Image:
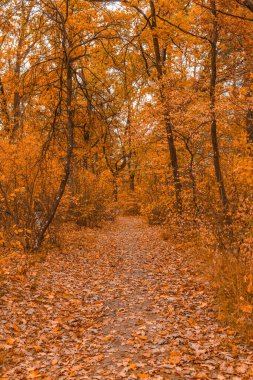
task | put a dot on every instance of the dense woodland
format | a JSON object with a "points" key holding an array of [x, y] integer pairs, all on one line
{"points": [[135, 107]]}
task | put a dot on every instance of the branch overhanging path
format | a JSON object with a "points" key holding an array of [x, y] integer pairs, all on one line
{"points": [[117, 303]]}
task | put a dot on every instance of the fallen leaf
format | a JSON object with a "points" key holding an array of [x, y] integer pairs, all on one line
{"points": [[10, 341], [175, 357], [143, 375], [246, 308], [107, 338]]}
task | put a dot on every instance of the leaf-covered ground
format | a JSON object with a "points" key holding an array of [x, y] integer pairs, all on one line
{"points": [[115, 303]]}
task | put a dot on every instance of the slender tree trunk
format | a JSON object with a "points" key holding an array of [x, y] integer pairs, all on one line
{"points": [[130, 162], [115, 188], [193, 184], [249, 113], [72, 186], [4, 108], [70, 145], [248, 84], [249, 124], [169, 127], [17, 99], [215, 142], [132, 182], [174, 164], [157, 50], [192, 175]]}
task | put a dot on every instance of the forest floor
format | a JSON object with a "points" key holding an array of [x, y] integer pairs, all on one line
{"points": [[115, 303]]}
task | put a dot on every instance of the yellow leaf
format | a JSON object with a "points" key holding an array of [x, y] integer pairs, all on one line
{"points": [[20, 277], [201, 375], [220, 317], [142, 337], [247, 308], [34, 374], [132, 366], [250, 284], [143, 375], [77, 368], [230, 332], [66, 296], [37, 348], [106, 338], [10, 341], [16, 328], [175, 357], [139, 322]]}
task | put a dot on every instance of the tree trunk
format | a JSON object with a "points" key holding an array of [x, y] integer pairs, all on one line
{"points": [[193, 185], [174, 164], [215, 143], [115, 188], [249, 124], [72, 186], [169, 127], [17, 100], [70, 145], [132, 182], [158, 57], [4, 108]]}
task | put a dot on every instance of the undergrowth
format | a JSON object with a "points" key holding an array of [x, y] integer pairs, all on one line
{"points": [[223, 256]]}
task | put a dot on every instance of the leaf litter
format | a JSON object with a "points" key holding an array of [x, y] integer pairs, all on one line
{"points": [[116, 303]]}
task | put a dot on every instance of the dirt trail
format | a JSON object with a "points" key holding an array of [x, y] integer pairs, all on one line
{"points": [[116, 303]]}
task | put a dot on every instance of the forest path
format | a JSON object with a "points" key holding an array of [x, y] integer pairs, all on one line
{"points": [[116, 303]]}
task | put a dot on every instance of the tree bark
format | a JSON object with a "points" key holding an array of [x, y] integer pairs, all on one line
{"points": [[247, 3], [70, 145], [4, 108], [132, 182], [17, 99], [174, 164], [194, 187], [169, 127], [214, 136], [115, 188], [249, 124]]}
